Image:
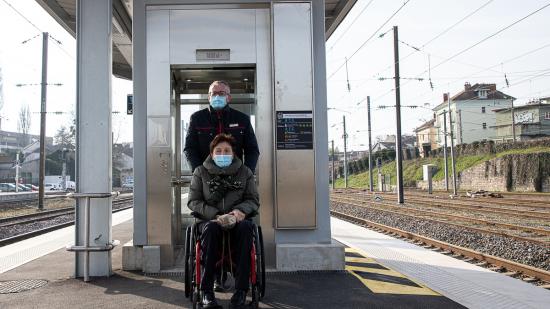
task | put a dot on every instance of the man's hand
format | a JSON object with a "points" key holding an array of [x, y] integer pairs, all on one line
{"points": [[238, 214]]}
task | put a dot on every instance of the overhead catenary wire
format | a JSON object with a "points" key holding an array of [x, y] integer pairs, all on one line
{"points": [[483, 40], [369, 38], [23, 16], [461, 78], [440, 34], [350, 25]]}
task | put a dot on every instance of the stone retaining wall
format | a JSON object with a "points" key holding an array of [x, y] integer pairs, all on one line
{"points": [[520, 173]]}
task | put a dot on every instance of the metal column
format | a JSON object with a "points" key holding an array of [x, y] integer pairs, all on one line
{"points": [[93, 117]]}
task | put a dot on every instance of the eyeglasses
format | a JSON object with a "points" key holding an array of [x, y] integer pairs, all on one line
{"points": [[220, 93]]}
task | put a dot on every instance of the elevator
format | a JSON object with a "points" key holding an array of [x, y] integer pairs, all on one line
{"points": [[269, 54]]}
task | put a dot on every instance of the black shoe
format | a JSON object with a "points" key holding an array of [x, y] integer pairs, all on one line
{"points": [[209, 300], [218, 287], [238, 299]]}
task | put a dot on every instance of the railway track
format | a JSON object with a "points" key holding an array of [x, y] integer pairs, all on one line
{"points": [[537, 235], [478, 205], [513, 203], [507, 267], [49, 215]]}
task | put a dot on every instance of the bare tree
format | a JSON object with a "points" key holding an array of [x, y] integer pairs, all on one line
{"points": [[24, 122], [64, 137]]}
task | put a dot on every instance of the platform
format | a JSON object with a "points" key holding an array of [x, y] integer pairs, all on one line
{"points": [[381, 272], [465, 283]]}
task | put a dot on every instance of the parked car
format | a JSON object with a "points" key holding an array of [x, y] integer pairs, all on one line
{"points": [[7, 187], [71, 186], [51, 187], [23, 188], [33, 187], [128, 185]]}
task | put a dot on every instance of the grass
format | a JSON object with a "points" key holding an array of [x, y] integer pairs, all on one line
{"points": [[412, 169]]}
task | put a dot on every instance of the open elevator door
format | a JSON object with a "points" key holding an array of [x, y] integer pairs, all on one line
{"points": [[190, 94]]}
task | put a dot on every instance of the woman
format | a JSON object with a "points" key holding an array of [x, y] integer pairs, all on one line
{"points": [[223, 194]]}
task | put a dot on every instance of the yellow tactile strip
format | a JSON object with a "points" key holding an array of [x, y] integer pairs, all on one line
{"points": [[380, 279]]}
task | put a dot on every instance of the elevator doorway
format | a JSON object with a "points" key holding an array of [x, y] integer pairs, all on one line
{"points": [[190, 94]]}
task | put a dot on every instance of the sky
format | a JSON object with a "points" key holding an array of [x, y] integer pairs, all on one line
{"points": [[420, 21], [22, 64], [440, 29]]}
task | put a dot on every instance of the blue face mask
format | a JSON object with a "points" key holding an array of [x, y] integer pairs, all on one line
{"points": [[218, 102], [222, 160]]}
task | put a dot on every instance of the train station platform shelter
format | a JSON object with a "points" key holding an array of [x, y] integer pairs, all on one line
{"points": [[272, 53]]}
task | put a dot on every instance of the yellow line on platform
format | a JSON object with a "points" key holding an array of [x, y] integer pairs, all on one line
{"points": [[383, 287]]}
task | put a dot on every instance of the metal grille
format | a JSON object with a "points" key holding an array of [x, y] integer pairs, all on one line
{"points": [[166, 274], [17, 286]]}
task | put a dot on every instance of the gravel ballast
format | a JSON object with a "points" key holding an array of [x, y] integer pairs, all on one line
{"points": [[511, 249]]}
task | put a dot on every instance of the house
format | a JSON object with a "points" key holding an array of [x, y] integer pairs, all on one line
{"points": [[123, 163], [530, 121], [472, 112], [17, 141], [388, 142], [426, 137]]}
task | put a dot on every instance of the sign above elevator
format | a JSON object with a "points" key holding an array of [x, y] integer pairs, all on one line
{"points": [[294, 130], [213, 54]]}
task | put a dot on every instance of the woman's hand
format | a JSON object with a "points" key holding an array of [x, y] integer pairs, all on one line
{"points": [[238, 214]]}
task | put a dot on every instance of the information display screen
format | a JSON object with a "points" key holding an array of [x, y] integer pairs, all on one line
{"points": [[294, 130]]}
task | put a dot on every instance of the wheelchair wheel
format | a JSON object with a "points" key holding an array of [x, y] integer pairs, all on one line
{"points": [[188, 271], [262, 263], [258, 289]]}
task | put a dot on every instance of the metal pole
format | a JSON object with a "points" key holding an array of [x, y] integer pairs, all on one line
{"points": [[452, 144], [460, 126], [398, 151], [345, 154], [513, 122], [87, 240], [17, 172], [332, 157], [371, 185], [445, 150], [42, 168], [64, 170]]}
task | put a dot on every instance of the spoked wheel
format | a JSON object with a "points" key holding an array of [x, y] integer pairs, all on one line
{"points": [[188, 271], [261, 273]]}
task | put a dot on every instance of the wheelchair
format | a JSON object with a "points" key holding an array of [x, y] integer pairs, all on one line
{"points": [[193, 266]]}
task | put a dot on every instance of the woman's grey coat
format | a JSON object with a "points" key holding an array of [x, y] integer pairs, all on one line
{"points": [[242, 196]]}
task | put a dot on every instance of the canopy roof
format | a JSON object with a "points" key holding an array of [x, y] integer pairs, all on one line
{"points": [[64, 12]]}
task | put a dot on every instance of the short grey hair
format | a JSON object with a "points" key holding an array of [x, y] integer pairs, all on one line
{"points": [[226, 84]]}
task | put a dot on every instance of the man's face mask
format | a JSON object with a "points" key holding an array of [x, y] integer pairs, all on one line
{"points": [[218, 101], [222, 160]]}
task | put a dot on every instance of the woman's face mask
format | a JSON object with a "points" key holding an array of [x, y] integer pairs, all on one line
{"points": [[222, 160], [222, 155]]}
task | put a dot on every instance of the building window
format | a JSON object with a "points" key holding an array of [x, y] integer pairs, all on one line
{"points": [[484, 125], [483, 109], [482, 94], [547, 115]]}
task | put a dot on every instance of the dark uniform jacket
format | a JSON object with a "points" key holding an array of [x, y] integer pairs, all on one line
{"points": [[207, 123], [215, 191]]}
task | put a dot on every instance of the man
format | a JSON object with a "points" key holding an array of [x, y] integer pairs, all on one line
{"points": [[220, 118]]}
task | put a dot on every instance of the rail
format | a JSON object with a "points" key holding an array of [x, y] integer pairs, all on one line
{"points": [[87, 248]]}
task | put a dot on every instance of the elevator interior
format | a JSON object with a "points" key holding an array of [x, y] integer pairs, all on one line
{"points": [[190, 88]]}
